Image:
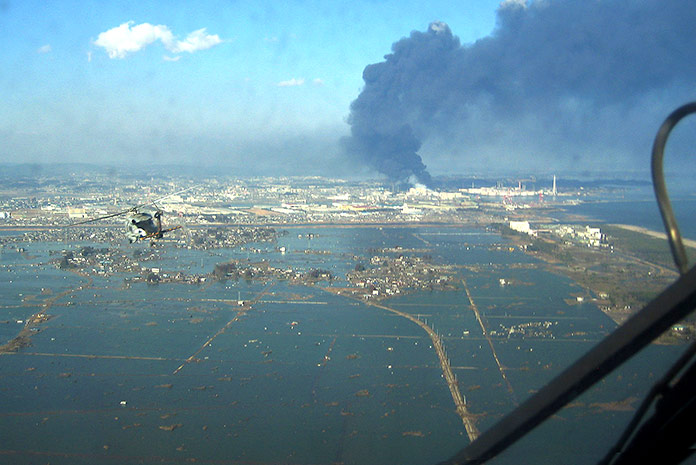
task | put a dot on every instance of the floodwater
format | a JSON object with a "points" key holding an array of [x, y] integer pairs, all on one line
{"points": [[146, 374]]}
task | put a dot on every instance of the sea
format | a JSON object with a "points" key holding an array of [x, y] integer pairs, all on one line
{"points": [[174, 373], [638, 207]]}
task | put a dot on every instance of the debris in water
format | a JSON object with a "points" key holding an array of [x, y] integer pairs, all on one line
{"points": [[171, 427]]}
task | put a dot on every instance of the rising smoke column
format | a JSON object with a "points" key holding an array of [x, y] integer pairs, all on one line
{"points": [[395, 97], [565, 83], [393, 152]]}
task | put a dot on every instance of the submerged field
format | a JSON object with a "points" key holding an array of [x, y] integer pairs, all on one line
{"points": [[181, 373]]}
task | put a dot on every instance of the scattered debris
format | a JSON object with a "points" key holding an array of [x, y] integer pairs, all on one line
{"points": [[171, 427]]}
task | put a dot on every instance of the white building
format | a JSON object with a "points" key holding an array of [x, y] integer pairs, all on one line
{"points": [[523, 227]]}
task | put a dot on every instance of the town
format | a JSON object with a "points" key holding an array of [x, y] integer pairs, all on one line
{"points": [[614, 263], [67, 198]]}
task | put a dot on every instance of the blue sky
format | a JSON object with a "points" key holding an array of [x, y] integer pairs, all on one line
{"points": [[266, 87], [68, 100]]}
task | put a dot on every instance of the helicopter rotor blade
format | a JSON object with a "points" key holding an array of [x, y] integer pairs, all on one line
{"points": [[92, 220], [167, 196], [131, 209]]}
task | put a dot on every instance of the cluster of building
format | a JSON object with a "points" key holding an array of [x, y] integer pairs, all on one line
{"points": [[533, 329], [239, 269], [587, 235], [60, 201], [387, 276], [104, 261], [217, 237]]}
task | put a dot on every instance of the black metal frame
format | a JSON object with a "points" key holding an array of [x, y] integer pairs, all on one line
{"points": [[662, 438], [673, 304]]}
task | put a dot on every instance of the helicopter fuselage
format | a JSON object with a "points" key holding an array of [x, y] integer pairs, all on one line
{"points": [[143, 225], [140, 225]]}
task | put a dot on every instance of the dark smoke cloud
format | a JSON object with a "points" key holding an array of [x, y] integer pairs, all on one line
{"points": [[391, 152], [396, 95], [559, 83]]}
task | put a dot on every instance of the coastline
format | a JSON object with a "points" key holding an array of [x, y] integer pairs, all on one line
{"points": [[655, 234]]}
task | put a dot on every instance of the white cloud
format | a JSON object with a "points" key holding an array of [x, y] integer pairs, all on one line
{"points": [[128, 38], [168, 58], [317, 82], [122, 40], [45, 49], [197, 40], [292, 82], [439, 27]]}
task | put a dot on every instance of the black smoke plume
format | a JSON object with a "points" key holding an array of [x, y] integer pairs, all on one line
{"points": [[392, 153], [559, 83], [395, 97]]}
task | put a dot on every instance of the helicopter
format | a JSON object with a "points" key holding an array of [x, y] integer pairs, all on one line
{"points": [[141, 225]]}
